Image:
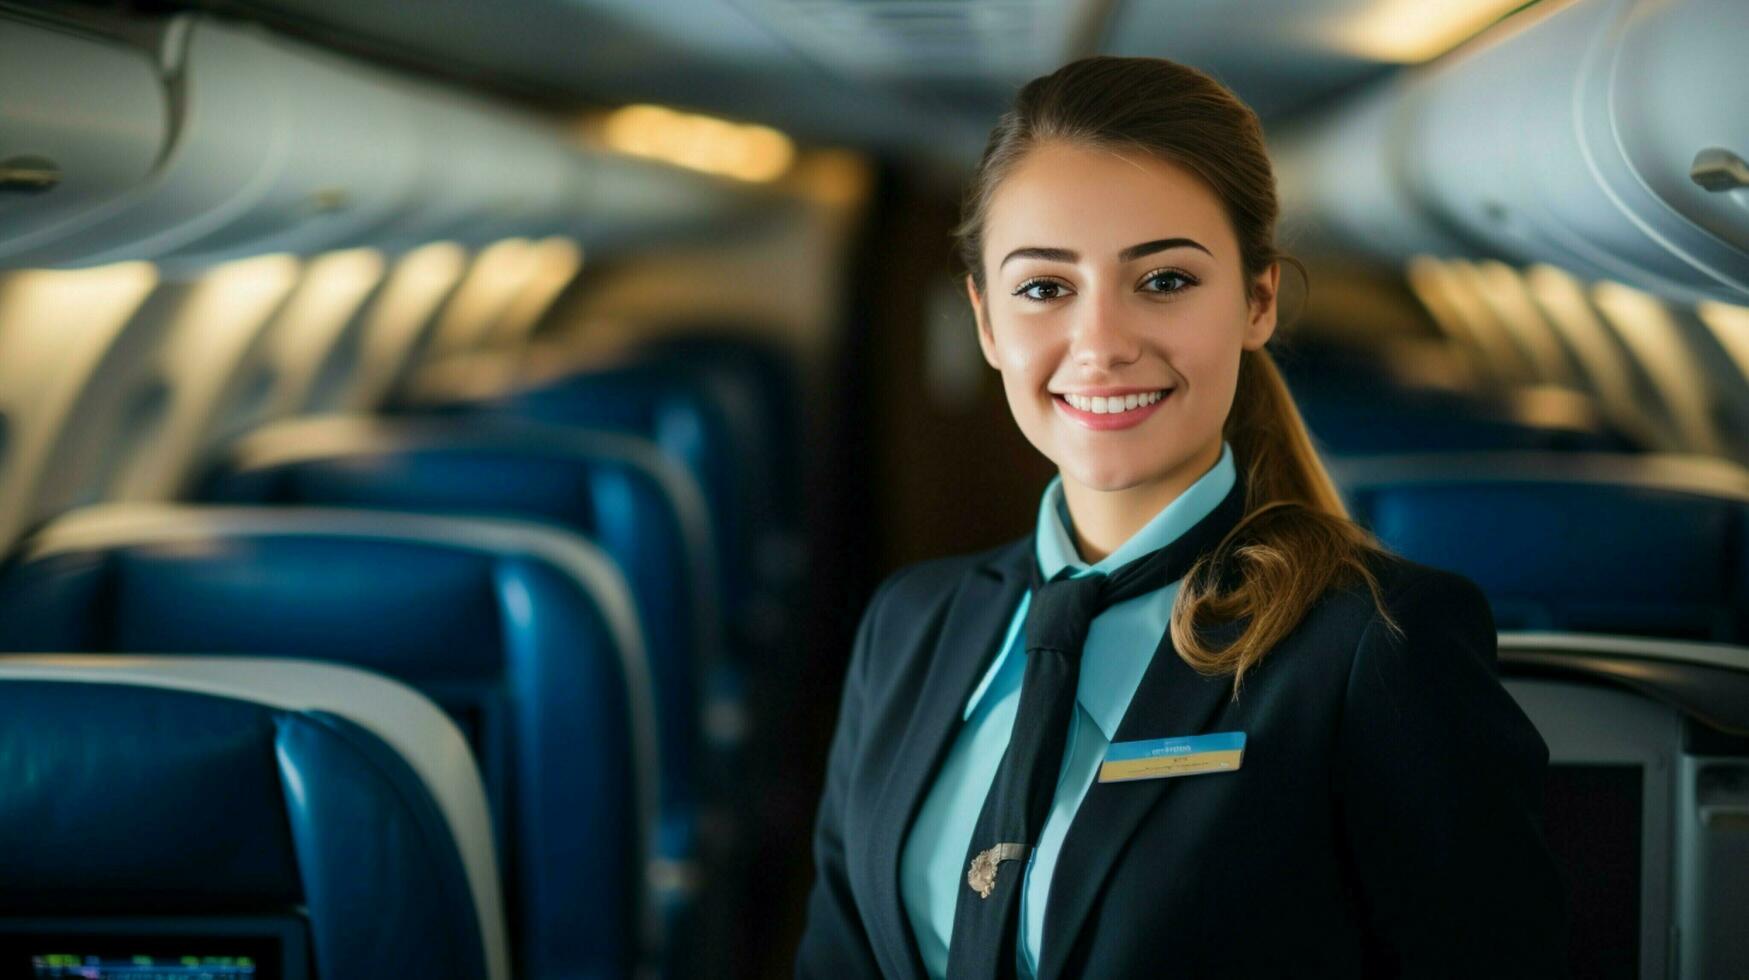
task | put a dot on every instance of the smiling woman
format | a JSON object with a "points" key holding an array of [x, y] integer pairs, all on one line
{"points": [[1352, 791], [1098, 318]]}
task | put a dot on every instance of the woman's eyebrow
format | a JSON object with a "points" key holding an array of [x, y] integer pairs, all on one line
{"points": [[1160, 245], [1036, 252], [1127, 255]]}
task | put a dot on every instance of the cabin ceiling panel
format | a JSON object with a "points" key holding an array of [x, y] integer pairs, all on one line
{"points": [[924, 77]]}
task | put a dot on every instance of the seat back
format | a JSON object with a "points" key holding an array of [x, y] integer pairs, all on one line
{"points": [[319, 818], [687, 417], [766, 376], [618, 491], [1639, 545], [1648, 768], [525, 635], [756, 381]]}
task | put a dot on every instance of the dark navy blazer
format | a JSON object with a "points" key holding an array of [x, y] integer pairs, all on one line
{"points": [[1386, 819]]}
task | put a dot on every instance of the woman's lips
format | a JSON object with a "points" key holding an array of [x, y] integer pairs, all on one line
{"points": [[1106, 421]]}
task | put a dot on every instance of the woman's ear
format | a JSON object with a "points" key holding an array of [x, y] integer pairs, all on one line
{"points": [[1265, 289], [986, 342]]}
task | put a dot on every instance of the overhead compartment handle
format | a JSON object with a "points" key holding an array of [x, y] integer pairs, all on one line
{"points": [[28, 175], [1718, 169]]}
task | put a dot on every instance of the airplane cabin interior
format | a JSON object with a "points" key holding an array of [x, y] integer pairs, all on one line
{"points": [[446, 448]]}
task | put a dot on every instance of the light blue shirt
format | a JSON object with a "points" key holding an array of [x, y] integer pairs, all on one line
{"points": [[1120, 646]]}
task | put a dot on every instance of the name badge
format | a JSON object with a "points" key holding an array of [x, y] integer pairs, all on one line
{"points": [[1186, 755]]}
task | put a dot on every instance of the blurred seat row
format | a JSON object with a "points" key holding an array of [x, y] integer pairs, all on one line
{"points": [[571, 572]]}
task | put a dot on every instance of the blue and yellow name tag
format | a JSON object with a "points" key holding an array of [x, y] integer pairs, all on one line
{"points": [[1186, 755]]}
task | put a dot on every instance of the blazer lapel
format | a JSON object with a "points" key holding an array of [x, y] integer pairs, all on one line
{"points": [[1172, 699], [964, 648]]}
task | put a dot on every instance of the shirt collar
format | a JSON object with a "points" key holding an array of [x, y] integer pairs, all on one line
{"points": [[1108, 682]]}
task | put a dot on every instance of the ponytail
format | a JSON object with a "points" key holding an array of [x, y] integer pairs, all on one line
{"points": [[1294, 542]]}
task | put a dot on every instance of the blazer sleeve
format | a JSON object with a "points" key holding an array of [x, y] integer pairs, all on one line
{"points": [[1441, 783], [834, 943]]}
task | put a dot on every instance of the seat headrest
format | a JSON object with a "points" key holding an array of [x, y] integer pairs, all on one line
{"points": [[516, 468], [190, 781], [1595, 544]]}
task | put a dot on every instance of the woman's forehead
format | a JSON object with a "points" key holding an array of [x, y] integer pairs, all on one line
{"points": [[1097, 202]]}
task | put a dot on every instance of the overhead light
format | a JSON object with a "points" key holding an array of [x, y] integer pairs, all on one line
{"points": [[1413, 31], [333, 286], [715, 146], [493, 279], [38, 305], [411, 295], [227, 305], [555, 263]]}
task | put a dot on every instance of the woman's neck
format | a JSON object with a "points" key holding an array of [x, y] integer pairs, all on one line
{"points": [[1102, 520]]}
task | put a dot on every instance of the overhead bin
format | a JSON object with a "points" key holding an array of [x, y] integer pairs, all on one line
{"points": [[82, 120], [324, 152], [228, 141], [274, 148], [1598, 136], [482, 172]]}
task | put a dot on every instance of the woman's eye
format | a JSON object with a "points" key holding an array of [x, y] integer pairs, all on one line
{"points": [[1168, 281], [1041, 290]]}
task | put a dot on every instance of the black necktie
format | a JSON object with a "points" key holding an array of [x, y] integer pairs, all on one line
{"points": [[986, 915]]}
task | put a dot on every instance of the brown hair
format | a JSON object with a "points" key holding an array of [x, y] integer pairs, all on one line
{"points": [[1296, 539]]}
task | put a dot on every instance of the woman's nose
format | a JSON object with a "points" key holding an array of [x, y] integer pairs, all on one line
{"points": [[1102, 338]]}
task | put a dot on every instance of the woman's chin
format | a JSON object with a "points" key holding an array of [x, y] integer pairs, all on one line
{"points": [[1109, 480], [1116, 476]]}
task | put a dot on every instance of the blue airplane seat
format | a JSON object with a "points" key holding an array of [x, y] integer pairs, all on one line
{"points": [[1635, 545], [618, 491], [690, 421], [756, 380], [525, 635], [695, 419], [317, 821], [767, 374]]}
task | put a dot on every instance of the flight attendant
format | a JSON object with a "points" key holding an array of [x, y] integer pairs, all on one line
{"points": [[1198, 724]]}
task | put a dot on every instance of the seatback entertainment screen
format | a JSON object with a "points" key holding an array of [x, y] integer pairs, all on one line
{"points": [[153, 949]]}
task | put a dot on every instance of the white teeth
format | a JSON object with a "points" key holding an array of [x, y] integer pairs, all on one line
{"points": [[1102, 405]]}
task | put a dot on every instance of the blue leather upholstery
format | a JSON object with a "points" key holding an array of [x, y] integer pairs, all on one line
{"points": [[1579, 548], [726, 411], [138, 789], [617, 491], [766, 377], [755, 382], [526, 636], [692, 419]]}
